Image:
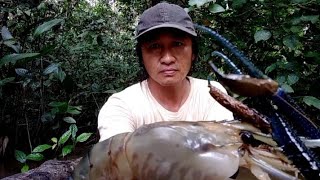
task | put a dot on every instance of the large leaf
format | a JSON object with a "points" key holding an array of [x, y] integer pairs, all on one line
{"points": [[74, 129], [262, 35], [199, 3], [292, 79], [67, 150], [46, 26], [41, 148], [83, 137], [64, 138], [35, 157], [216, 8], [312, 101], [13, 58], [20, 156], [291, 42]]}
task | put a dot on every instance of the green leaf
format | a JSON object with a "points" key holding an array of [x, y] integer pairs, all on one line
{"points": [[312, 101], [262, 35], [270, 68], [13, 58], [25, 168], [69, 120], [83, 137], [64, 138], [67, 150], [35, 157], [54, 139], [292, 79], [20, 156], [6, 80], [291, 42], [61, 107], [199, 3], [216, 8], [61, 75], [13, 44], [238, 3], [74, 110], [51, 68], [74, 129], [313, 19], [46, 26], [287, 88], [41, 148], [299, 1]]}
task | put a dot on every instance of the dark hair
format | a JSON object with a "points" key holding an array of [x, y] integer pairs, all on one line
{"points": [[147, 37]]}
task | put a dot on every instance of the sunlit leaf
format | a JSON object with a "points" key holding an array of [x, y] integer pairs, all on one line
{"points": [[216, 8], [262, 35], [25, 168], [199, 3], [312, 101], [83, 137], [20, 156], [46, 26], [13, 58], [41, 148], [35, 157], [67, 150], [54, 139], [64, 138], [74, 129]]}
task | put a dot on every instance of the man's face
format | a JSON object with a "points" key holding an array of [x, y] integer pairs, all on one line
{"points": [[167, 57]]}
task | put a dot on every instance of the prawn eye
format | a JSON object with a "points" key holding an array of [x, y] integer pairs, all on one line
{"points": [[247, 137]]}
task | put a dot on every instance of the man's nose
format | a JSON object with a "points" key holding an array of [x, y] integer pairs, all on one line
{"points": [[167, 57]]}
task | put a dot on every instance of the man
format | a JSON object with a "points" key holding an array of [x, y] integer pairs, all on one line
{"points": [[166, 48]]}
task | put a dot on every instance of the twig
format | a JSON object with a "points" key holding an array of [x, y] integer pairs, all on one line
{"points": [[29, 139]]}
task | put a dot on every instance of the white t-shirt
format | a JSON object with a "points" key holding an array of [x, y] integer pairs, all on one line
{"points": [[135, 106]]}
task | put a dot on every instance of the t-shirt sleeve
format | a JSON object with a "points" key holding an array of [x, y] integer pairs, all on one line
{"points": [[114, 118], [218, 112]]}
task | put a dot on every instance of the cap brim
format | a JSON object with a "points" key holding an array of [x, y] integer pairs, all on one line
{"points": [[193, 33]]}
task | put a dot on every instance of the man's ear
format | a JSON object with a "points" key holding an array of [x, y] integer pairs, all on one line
{"points": [[193, 57]]}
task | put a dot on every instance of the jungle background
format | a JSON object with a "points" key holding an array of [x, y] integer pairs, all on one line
{"points": [[60, 60]]}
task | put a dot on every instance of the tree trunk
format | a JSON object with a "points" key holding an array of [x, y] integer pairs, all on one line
{"points": [[49, 170]]}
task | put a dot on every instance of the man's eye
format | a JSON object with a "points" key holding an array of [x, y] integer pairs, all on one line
{"points": [[177, 44], [154, 46]]}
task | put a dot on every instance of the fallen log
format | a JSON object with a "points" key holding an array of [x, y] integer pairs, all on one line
{"points": [[49, 170]]}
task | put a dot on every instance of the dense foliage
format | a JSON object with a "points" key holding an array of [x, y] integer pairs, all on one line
{"points": [[61, 60]]}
